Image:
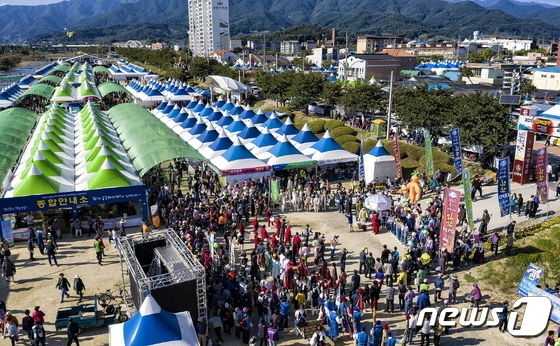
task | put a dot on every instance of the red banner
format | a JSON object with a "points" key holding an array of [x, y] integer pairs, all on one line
{"points": [[523, 151], [541, 176], [449, 219], [397, 155]]}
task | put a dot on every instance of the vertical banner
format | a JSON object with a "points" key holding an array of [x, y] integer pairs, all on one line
{"points": [[7, 231], [503, 186], [541, 176], [274, 191], [428, 155], [361, 168], [397, 155], [456, 150], [449, 219], [523, 155], [467, 190]]}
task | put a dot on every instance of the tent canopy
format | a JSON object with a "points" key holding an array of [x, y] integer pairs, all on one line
{"points": [[148, 140], [110, 88], [19, 122], [39, 90], [226, 84]]}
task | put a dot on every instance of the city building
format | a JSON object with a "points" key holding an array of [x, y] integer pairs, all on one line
{"points": [[445, 50], [224, 56], [487, 74], [509, 44], [322, 55], [547, 78], [368, 44], [208, 26], [376, 66], [158, 45], [291, 47], [235, 43]]}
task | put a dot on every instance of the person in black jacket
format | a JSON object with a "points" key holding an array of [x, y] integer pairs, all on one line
{"points": [[79, 287], [64, 286], [73, 330]]}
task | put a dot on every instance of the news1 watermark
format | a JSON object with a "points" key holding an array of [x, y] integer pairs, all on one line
{"points": [[534, 322]]}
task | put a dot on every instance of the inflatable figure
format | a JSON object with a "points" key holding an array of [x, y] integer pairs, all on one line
{"points": [[413, 190]]}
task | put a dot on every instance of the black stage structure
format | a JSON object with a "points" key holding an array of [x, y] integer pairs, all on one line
{"points": [[161, 265]]}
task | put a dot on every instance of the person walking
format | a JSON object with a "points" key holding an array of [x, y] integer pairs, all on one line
{"points": [[73, 331], [99, 247], [39, 335], [79, 287], [476, 295], [11, 328], [503, 317], [31, 247], [27, 325], [63, 286], [51, 251]]}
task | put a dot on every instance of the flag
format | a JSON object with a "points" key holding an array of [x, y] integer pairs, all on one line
{"points": [[467, 190], [428, 155], [541, 176], [503, 186], [361, 168], [449, 218], [456, 150], [274, 191]]}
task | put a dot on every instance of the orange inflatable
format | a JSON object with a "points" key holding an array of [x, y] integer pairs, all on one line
{"points": [[413, 190]]}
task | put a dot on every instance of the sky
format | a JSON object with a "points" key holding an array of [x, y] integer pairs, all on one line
{"points": [[42, 2]]}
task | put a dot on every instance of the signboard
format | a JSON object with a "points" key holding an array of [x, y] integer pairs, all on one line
{"points": [[503, 186], [510, 100], [544, 126], [397, 155], [74, 200], [528, 287], [428, 153], [456, 150], [523, 150], [449, 219], [541, 161], [274, 191], [467, 190]]}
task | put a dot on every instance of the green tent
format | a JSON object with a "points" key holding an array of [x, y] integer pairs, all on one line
{"points": [[100, 70], [87, 90], [111, 88], [108, 177], [35, 183], [149, 142], [50, 80], [63, 93], [38, 90], [19, 122], [41, 161], [102, 155]]}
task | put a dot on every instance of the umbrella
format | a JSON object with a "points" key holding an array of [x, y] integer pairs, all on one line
{"points": [[378, 202]]}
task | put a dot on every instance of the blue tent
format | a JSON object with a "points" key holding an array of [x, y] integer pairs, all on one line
{"points": [[175, 112], [237, 110], [249, 133], [325, 144], [206, 137], [247, 114], [162, 106], [222, 143], [182, 116], [168, 108], [219, 103], [236, 126], [199, 107], [265, 139], [305, 136], [225, 121], [227, 106], [207, 111], [259, 118], [198, 128], [192, 104], [189, 122], [288, 129], [216, 115], [273, 122], [379, 150], [152, 325]]}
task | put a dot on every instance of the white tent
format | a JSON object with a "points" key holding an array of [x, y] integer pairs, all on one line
{"points": [[152, 325], [378, 164], [327, 151], [238, 163]]}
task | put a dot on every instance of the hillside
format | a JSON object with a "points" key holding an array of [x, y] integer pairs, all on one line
{"points": [[108, 20]]}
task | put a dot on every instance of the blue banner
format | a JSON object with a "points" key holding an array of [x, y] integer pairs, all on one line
{"points": [[456, 150], [528, 287], [75, 200], [503, 186]]}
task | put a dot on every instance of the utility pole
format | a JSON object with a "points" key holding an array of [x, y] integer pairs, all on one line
{"points": [[390, 106]]}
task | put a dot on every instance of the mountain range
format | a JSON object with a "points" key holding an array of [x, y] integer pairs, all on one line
{"points": [[110, 20]]}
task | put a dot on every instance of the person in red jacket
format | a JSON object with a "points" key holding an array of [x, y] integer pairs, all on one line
{"points": [[375, 224]]}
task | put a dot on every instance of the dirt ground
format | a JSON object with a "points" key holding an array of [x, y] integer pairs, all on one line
{"points": [[35, 283]]}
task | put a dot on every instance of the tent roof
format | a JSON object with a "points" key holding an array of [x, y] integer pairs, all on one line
{"points": [[249, 133], [52, 80], [221, 143], [379, 150], [226, 84], [273, 122], [284, 148], [259, 118], [327, 143], [108, 176], [265, 139], [238, 152], [35, 183], [150, 141], [40, 90], [305, 136], [100, 69], [288, 128], [110, 87], [17, 121]]}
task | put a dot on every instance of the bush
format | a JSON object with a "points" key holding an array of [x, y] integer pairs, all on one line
{"points": [[342, 130], [333, 124], [409, 163], [317, 126], [299, 122], [346, 138], [352, 147], [369, 144]]}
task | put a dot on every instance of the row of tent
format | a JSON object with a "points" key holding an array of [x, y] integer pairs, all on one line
{"points": [[72, 152], [237, 140], [158, 91]]}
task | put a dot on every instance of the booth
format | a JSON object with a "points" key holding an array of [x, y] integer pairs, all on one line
{"points": [[378, 165]]}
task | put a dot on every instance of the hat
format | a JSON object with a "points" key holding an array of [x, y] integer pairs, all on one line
{"points": [[425, 281]]}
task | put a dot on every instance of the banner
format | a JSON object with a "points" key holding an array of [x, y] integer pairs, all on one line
{"points": [[503, 186], [274, 191], [528, 287], [361, 168], [541, 176], [449, 219], [7, 231], [397, 154], [428, 153], [456, 150], [523, 150], [467, 190]]}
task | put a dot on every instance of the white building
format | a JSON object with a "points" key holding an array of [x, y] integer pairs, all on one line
{"points": [[512, 45], [208, 26], [292, 47], [352, 68], [547, 78], [321, 55]]}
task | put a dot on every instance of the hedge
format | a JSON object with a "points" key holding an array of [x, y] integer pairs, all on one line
{"points": [[346, 138], [317, 126], [333, 124], [352, 147], [342, 130]]}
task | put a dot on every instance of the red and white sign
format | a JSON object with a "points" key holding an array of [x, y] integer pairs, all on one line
{"points": [[523, 154], [449, 219]]}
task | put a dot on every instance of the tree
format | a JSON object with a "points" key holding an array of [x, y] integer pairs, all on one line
{"points": [[275, 86], [331, 93], [483, 121], [527, 88], [304, 89], [362, 98], [420, 108], [483, 55]]}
